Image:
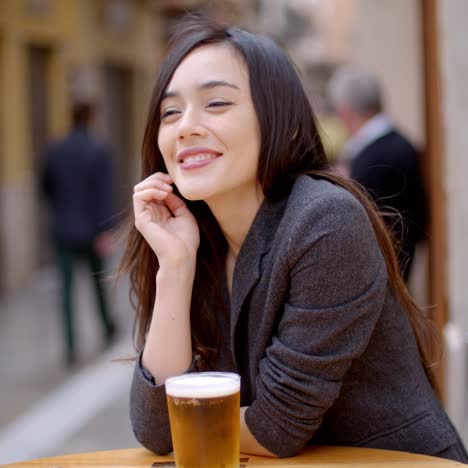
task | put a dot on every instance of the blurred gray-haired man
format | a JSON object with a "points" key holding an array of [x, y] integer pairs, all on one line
{"points": [[379, 157]]}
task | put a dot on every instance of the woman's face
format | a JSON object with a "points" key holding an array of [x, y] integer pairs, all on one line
{"points": [[209, 134]]}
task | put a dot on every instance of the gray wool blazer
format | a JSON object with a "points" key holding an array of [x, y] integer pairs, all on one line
{"points": [[325, 353]]}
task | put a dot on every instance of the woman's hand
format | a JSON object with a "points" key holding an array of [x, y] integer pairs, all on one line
{"points": [[165, 221]]}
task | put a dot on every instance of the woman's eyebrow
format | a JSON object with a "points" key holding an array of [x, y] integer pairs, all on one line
{"points": [[215, 83], [207, 85]]}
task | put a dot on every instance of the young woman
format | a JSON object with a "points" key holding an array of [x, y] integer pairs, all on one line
{"points": [[248, 256]]}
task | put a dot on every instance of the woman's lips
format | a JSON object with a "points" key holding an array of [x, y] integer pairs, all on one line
{"points": [[193, 158], [194, 162]]}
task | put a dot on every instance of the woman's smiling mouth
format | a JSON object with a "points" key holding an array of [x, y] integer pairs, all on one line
{"points": [[193, 158]]}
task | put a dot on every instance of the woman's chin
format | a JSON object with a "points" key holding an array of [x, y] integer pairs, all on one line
{"points": [[194, 195]]}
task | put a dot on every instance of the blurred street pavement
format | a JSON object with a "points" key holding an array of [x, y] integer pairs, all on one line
{"points": [[45, 408]]}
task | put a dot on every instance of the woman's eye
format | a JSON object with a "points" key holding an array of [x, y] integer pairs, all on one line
{"points": [[219, 103], [168, 113]]}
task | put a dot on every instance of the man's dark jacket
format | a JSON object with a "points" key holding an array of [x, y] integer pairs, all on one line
{"points": [[389, 169], [77, 182]]}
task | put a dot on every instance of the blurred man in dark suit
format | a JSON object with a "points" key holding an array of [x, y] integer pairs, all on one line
{"points": [[77, 183], [380, 158]]}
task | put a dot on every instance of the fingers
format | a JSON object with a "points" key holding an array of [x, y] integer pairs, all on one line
{"points": [[161, 176], [143, 198], [157, 189], [158, 180], [153, 189], [150, 194], [176, 205]]}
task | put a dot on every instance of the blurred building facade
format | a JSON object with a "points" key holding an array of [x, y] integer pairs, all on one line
{"points": [[318, 35], [51, 53]]}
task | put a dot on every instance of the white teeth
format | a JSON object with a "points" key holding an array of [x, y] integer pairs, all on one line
{"points": [[198, 157]]}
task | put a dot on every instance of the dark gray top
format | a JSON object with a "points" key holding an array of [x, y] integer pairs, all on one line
{"points": [[325, 353]]}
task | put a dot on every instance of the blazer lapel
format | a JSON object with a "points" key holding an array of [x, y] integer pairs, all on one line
{"points": [[247, 270]]}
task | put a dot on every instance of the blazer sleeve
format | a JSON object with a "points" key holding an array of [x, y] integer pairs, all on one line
{"points": [[338, 282], [148, 410]]}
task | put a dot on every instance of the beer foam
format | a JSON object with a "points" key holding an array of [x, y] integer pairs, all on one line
{"points": [[203, 385]]}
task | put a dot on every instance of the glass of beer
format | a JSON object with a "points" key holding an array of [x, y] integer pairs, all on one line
{"points": [[204, 412]]}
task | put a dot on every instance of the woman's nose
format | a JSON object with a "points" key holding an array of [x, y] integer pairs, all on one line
{"points": [[191, 125]]}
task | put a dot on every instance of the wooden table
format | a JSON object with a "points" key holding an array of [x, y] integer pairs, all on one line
{"points": [[317, 457]]}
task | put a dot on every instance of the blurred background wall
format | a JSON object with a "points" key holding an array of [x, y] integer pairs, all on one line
{"points": [[54, 52]]}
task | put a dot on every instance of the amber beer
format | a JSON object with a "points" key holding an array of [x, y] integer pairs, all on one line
{"points": [[204, 411]]}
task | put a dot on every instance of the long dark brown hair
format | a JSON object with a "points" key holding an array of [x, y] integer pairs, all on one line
{"points": [[290, 146]]}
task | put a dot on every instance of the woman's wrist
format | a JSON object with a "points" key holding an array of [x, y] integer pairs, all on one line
{"points": [[181, 268]]}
